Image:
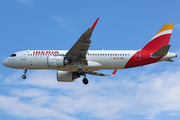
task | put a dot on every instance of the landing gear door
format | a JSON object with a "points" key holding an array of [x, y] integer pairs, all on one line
{"points": [[23, 55]]}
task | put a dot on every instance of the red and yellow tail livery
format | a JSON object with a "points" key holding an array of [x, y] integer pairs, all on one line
{"points": [[143, 56]]}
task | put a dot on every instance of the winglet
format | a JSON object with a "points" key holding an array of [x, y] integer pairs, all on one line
{"points": [[114, 72], [94, 24]]}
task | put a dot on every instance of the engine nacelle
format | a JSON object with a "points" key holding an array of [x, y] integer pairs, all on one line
{"points": [[56, 61], [66, 76]]}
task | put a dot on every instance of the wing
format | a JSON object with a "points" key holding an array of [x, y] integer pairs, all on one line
{"points": [[80, 48], [101, 74]]}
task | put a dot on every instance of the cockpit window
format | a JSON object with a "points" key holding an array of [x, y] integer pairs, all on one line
{"points": [[13, 55]]}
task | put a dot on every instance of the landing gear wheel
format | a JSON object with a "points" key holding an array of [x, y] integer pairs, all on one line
{"points": [[85, 81], [24, 76], [80, 71]]}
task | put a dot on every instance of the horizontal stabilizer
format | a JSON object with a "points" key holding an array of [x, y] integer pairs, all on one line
{"points": [[169, 60], [162, 51]]}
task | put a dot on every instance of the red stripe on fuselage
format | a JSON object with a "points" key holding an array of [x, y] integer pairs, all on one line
{"points": [[141, 58]]}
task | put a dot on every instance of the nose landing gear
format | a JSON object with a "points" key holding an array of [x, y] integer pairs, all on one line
{"points": [[24, 75]]}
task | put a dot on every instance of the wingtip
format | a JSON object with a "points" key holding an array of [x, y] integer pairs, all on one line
{"points": [[114, 72], [94, 24]]}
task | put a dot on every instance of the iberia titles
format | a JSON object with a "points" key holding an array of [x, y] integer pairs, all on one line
{"points": [[45, 52]]}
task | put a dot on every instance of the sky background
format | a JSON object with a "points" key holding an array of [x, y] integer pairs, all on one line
{"points": [[142, 93]]}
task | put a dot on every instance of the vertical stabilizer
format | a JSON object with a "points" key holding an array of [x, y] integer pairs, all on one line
{"points": [[156, 48], [160, 39]]}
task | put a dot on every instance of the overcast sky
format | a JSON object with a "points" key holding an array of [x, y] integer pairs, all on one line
{"points": [[148, 92]]}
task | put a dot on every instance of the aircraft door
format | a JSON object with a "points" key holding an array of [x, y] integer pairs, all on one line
{"points": [[138, 55], [23, 55]]}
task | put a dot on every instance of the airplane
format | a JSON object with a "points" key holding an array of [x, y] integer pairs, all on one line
{"points": [[71, 64]]}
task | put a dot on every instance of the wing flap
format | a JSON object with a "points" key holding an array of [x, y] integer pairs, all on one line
{"points": [[101, 74]]}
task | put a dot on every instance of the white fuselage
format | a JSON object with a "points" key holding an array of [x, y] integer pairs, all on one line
{"points": [[103, 59], [97, 59]]}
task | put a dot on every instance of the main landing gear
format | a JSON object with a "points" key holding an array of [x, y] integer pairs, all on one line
{"points": [[80, 72], [85, 81], [24, 75]]}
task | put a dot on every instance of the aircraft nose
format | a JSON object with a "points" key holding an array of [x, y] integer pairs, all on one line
{"points": [[175, 55], [5, 62]]}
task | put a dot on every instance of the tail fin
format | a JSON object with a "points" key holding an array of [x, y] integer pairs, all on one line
{"points": [[160, 39]]}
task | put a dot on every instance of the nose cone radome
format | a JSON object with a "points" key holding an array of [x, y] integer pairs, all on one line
{"points": [[5, 62]]}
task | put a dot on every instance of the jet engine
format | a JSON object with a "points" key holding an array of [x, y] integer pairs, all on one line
{"points": [[56, 61], [66, 76]]}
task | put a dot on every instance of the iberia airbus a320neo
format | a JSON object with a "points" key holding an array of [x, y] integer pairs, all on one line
{"points": [[71, 64]]}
